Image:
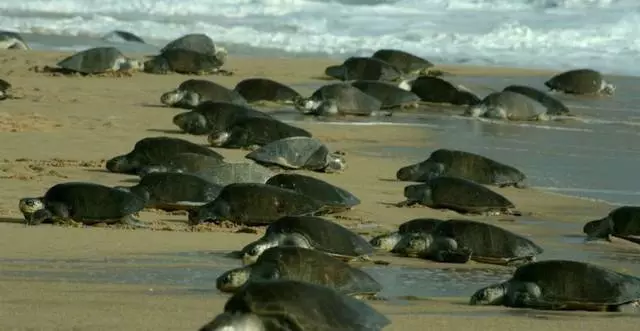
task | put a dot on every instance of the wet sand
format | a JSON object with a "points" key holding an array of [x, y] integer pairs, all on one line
{"points": [[62, 278]]}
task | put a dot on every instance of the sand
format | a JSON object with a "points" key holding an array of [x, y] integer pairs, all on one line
{"points": [[64, 128]]}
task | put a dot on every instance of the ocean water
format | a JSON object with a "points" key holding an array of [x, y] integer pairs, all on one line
{"points": [[558, 34]]}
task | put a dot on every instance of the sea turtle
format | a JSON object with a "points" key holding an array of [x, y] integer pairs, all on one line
{"points": [[564, 285], [299, 153], [200, 43], [254, 204], [407, 63], [458, 194], [5, 87], [580, 81], [390, 95], [184, 61], [192, 92], [85, 203], [508, 105], [438, 90], [301, 264], [461, 240], [209, 116], [364, 68], [340, 99], [318, 189], [182, 163], [241, 172], [122, 36], [174, 191], [153, 150], [98, 60], [310, 232], [252, 132], [391, 241], [295, 305], [12, 40], [553, 105], [623, 222], [265, 89], [455, 163]]}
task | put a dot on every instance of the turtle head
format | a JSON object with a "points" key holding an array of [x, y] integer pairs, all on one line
{"points": [[496, 112], [490, 295], [591, 227], [127, 64], [156, 65], [235, 321], [233, 279], [306, 105], [251, 252], [172, 97], [607, 88], [599, 229], [420, 171], [415, 244], [221, 54], [192, 122], [419, 192], [328, 107], [9, 42], [475, 110], [386, 242], [335, 163], [214, 211], [33, 210], [405, 84], [218, 138], [337, 72], [121, 164]]}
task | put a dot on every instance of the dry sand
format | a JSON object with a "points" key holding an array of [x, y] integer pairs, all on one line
{"points": [[63, 129]]}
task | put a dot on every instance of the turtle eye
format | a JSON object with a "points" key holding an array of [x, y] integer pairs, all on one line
{"points": [[30, 203]]}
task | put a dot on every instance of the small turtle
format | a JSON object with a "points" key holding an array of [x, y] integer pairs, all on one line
{"points": [[438, 90], [294, 305], [458, 241], [364, 68], [265, 89], [392, 241], [340, 99], [622, 222], [5, 87], [553, 105], [85, 203], [254, 204], [192, 92], [229, 173], [580, 81], [200, 43], [182, 163], [302, 264], [318, 189], [98, 60], [458, 194], [172, 191], [508, 105], [12, 40], [299, 153], [390, 95], [209, 116], [154, 150], [407, 63], [564, 285], [454, 163], [313, 233], [250, 132], [122, 36], [184, 61]]}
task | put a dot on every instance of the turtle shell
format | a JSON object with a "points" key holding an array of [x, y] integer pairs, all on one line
{"points": [[553, 105], [4, 85], [390, 95], [229, 173], [293, 153], [419, 225], [315, 267], [406, 62], [518, 107], [438, 90], [349, 99], [488, 243], [196, 42], [186, 61], [92, 61], [289, 302], [211, 91], [218, 116], [323, 235], [89, 201], [183, 162], [265, 89], [176, 191], [364, 68], [252, 131], [580, 283], [122, 36], [579, 81], [625, 221], [318, 189]]}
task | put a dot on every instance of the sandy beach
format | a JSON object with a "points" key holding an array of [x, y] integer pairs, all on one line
{"points": [[64, 128]]}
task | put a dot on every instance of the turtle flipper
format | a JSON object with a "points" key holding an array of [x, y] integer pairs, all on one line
{"points": [[133, 222], [631, 307], [452, 256], [406, 203], [39, 216], [523, 295]]}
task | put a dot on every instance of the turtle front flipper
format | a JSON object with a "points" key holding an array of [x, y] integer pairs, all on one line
{"points": [[631, 307], [131, 221], [406, 203], [38, 217], [452, 256], [524, 295]]}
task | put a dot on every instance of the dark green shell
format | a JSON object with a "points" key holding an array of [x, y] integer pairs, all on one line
{"points": [[438, 90], [553, 105], [318, 189], [264, 89], [405, 61], [579, 81]]}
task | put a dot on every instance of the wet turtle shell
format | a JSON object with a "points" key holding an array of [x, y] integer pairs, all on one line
{"points": [[510, 106], [580, 81], [192, 92], [154, 150], [623, 222], [422, 225], [95, 60], [455, 163], [396, 240], [12, 40], [438, 90], [553, 105], [120, 35], [265, 89], [407, 63], [229, 173], [182, 163], [364, 68], [196, 42], [183, 61], [249, 132], [302, 264], [254, 204], [298, 153], [318, 189], [390, 95], [211, 116], [285, 304], [346, 100], [458, 194]]}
